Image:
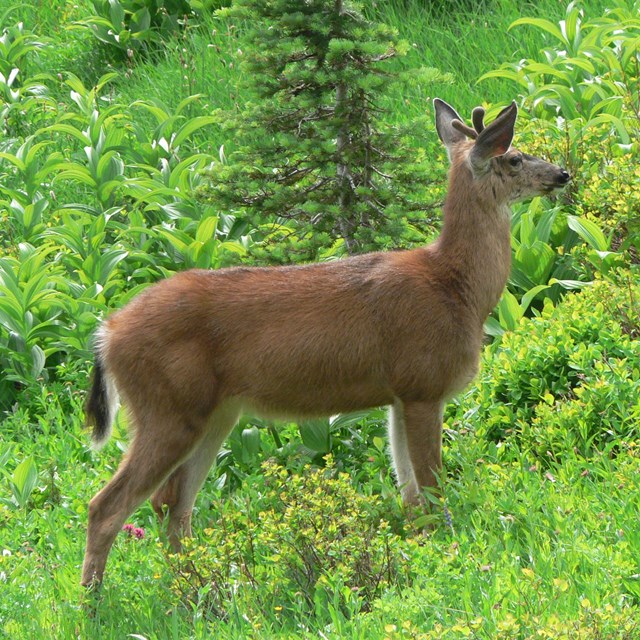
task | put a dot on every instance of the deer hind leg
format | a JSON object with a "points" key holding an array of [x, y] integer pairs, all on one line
{"points": [[161, 442], [178, 493], [416, 446]]}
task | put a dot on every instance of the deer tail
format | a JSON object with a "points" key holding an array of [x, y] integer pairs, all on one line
{"points": [[102, 403]]}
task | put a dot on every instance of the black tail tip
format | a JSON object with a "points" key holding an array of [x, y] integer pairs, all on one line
{"points": [[97, 405]]}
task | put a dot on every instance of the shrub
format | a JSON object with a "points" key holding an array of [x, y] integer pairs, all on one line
{"points": [[302, 543], [587, 79], [611, 195], [569, 375]]}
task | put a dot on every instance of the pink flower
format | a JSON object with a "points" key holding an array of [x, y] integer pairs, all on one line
{"points": [[133, 531]]}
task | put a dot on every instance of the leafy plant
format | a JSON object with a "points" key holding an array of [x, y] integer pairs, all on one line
{"points": [[22, 482], [29, 313], [544, 263], [310, 543], [570, 359], [587, 81], [19, 91], [132, 26]]}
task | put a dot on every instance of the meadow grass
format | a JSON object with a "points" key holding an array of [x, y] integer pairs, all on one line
{"points": [[528, 549]]}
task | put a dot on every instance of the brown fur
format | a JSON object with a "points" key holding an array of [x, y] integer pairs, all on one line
{"points": [[403, 329]]}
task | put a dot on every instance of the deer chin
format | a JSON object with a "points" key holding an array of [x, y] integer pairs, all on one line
{"points": [[554, 189]]}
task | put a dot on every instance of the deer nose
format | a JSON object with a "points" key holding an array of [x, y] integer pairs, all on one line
{"points": [[564, 177]]}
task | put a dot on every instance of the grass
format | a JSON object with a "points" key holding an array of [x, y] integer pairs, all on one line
{"points": [[529, 549]]}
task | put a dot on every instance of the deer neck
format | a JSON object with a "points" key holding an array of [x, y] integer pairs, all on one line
{"points": [[475, 243]]}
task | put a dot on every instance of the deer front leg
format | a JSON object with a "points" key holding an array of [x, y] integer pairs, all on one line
{"points": [[416, 445], [402, 465]]}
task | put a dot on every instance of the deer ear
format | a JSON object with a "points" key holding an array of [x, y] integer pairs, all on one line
{"points": [[495, 139], [446, 115]]}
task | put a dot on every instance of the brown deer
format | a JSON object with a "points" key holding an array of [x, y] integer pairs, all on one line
{"points": [[191, 353]]}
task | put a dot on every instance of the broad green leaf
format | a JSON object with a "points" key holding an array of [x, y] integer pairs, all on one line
{"points": [[545, 225], [589, 232], [251, 443], [207, 229], [541, 23], [24, 481], [509, 311], [140, 23], [187, 101], [529, 296], [14, 160], [4, 457], [536, 261], [493, 328], [316, 435], [508, 73], [62, 127], [116, 13], [38, 359], [180, 241], [570, 284], [179, 174], [191, 127]]}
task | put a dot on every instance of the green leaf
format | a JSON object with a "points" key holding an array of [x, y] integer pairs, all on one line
{"points": [[116, 13], [529, 296], [24, 481], [544, 25], [4, 457], [509, 311], [13, 160], [508, 74], [61, 127], [536, 261], [570, 284], [191, 127], [545, 224], [251, 443], [207, 229], [316, 435], [493, 328], [589, 232]]}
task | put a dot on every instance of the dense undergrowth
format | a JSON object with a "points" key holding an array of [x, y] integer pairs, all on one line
{"points": [[106, 144]]}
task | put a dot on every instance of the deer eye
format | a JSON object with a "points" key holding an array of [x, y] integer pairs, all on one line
{"points": [[516, 161]]}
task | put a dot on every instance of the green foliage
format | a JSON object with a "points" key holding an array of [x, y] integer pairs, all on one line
{"points": [[22, 482], [586, 89], [132, 26], [20, 91], [135, 218], [567, 380], [308, 544], [548, 259], [355, 442], [314, 162], [541, 545], [610, 195], [589, 74]]}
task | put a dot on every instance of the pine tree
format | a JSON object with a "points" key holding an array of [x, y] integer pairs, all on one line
{"points": [[315, 162]]}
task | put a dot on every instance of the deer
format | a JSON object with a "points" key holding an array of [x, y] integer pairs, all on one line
{"points": [[404, 329]]}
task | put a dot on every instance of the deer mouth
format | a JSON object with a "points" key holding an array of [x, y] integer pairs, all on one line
{"points": [[558, 184]]}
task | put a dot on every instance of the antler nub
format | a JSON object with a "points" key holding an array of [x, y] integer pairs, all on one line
{"points": [[477, 117], [463, 128]]}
